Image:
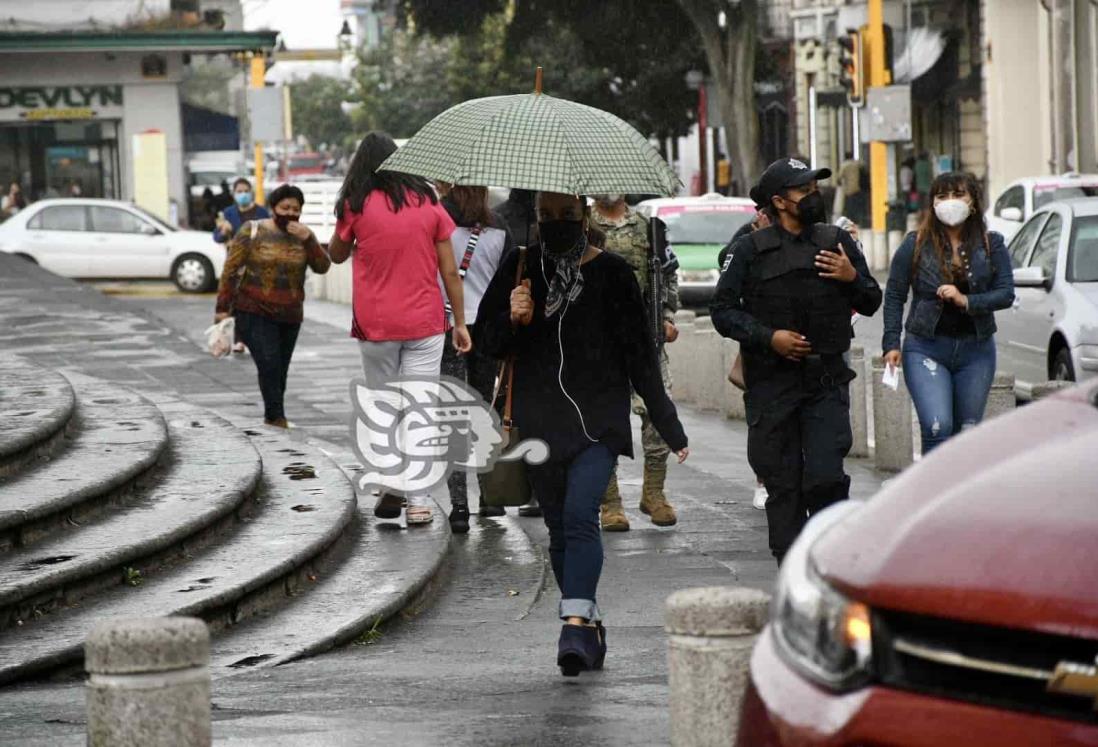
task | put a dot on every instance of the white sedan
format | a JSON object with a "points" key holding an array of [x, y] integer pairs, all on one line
{"points": [[1023, 198], [92, 238], [1052, 330]]}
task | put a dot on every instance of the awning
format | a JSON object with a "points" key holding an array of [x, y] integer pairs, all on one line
{"points": [[204, 129], [199, 42], [924, 47]]}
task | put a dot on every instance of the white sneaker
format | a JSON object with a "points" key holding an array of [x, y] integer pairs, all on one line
{"points": [[759, 501]]}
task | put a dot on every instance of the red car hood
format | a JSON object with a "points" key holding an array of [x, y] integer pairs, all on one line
{"points": [[999, 526]]}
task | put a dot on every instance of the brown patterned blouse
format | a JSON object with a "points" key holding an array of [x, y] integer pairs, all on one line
{"points": [[274, 265]]}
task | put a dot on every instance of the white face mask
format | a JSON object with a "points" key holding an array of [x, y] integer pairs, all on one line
{"points": [[952, 212]]}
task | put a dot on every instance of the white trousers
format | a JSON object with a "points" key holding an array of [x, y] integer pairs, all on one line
{"points": [[385, 361]]}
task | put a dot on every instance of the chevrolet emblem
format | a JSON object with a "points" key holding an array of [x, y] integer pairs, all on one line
{"points": [[1071, 678]]}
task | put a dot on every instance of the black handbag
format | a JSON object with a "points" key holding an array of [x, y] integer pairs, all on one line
{"points": [[507, 484]]}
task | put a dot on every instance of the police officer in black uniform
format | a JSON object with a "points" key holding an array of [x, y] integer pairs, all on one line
{"points": [[786, 293]]}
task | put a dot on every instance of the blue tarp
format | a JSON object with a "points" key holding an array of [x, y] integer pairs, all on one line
{"points": [[205, 129]]}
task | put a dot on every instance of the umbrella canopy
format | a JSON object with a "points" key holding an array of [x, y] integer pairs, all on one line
{"points": [[538, 142]]}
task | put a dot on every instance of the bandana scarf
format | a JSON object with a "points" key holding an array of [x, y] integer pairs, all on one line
{"points": [[567, 282]]}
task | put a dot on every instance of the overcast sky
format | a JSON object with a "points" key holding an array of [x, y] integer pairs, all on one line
{"points": [[305, 24]]}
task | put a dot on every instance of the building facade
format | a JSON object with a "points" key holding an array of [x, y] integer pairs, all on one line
{"points": [[945, 79], [1041, 83], [74, 105]]}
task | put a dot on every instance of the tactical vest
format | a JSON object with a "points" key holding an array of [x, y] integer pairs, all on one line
{"points": [[786, 291]]}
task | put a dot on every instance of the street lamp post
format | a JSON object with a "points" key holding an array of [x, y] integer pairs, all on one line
{"points": [[695, 81]]}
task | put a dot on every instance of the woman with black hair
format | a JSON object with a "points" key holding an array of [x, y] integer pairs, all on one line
{"points": [[399, 236], [958, 275], [263, 286], [575, 325]]}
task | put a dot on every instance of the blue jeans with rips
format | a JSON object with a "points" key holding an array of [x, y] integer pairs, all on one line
{"points": [[570, 494], [949, 379]]}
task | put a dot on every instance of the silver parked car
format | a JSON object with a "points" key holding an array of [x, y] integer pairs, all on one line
{"points": [[94, 238], [1052, 330]]}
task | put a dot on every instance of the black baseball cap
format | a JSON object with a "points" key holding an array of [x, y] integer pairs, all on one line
{"points": [[782, 174]]}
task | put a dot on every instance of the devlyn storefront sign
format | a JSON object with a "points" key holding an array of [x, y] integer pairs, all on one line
{"points": [[41, 103]]}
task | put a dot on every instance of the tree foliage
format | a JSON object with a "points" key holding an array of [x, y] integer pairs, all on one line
{"points": [[628, 57], [399, 85], [317, 110]]}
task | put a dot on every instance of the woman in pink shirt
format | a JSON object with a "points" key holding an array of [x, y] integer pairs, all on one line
{"points": [[399, 236]]}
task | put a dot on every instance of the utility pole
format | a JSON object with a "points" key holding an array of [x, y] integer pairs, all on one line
{"points": [[258, 80], [878, 151]]}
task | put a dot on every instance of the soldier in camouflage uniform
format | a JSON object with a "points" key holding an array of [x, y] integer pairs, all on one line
{"points": [[627, 235]]}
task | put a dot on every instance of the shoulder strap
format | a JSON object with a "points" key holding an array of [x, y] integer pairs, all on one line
{"points": [[466, 260], [470, 247], [766, 239], [255, 228]]}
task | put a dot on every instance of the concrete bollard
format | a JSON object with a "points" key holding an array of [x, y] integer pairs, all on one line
{"points": [[891, 423], [149, 683], [733, 406], [711, 632], [694, 340], [1000, 400], [679, 354], [683, 316], [859, 418], [709, 385], [1047, 389]]}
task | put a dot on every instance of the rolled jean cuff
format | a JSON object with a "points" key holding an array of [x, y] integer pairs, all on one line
{"points": [[584, 608]]}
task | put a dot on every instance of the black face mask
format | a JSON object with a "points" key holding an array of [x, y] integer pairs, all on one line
{"points": [[811, 209], [284, 220], [559, 236]]}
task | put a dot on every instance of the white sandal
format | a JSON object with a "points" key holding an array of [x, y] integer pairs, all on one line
{"points": [[418, 515]]}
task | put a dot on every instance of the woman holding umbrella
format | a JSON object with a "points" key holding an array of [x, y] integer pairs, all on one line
{"points": [[575, 328], [575, 324]]}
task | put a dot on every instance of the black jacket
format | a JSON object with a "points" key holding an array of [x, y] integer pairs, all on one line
{"points": [[606, 351]]}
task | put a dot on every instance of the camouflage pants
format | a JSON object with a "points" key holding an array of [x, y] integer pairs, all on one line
{"points": [[655, 450]]}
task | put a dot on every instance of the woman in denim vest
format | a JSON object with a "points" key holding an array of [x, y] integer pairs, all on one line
{"points": [[958, 275]]}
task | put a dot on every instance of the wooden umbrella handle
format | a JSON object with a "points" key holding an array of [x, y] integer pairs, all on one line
{"points": [[537, 80]]}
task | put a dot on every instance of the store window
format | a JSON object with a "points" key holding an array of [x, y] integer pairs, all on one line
{"points": [[61, 159]]}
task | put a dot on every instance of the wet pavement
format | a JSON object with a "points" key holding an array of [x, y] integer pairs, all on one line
{"points": [[476, 665]]}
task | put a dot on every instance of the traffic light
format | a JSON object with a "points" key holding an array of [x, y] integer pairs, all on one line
{"points": [[851, 66]]}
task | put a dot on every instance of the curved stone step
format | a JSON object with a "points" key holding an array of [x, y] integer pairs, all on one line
{"points": [[212, 469], [379, 572], [36, 405], [305, 503], [119, 436]]}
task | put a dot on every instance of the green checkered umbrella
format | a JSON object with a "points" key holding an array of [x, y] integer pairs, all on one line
{"points": [[537, 142]]}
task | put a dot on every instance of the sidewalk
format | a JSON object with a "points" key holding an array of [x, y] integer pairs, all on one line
{"points": [[477, 664]]}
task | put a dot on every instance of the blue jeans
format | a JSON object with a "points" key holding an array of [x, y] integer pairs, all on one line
{"points": [[570, 494], [949, 379]]}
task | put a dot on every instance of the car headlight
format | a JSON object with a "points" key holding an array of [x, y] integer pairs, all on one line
{"points": [[821, 633], [699, 276]]}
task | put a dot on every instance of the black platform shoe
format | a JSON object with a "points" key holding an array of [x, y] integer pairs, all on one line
{"points": [[459, 519], [602, 645], [578, 649], [489, 511]]}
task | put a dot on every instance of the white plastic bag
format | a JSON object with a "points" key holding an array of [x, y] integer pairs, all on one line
{"points": [[219, 337]]}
